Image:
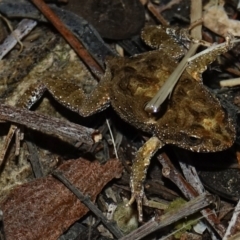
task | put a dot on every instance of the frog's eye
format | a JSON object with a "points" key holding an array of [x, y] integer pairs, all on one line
{"points": [[193, 140]]}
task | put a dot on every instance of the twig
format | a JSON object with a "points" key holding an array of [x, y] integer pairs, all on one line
{"points": [[34, 160], [113, 141], [7, 141], [171, 217], [230, 82], [190, 173], [110, 225], [23, 28], [171, 173], [155, 11], [192, 177], [233, 226], [71, 39], [62, 129]]}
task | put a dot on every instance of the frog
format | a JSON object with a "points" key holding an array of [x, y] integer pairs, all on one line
{"points": [[192, 118]]}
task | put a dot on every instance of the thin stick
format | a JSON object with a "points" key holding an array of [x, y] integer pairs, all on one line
{"points": [[110, 225], [195, 15], [230, 82], [113, 141], [34, 160]]}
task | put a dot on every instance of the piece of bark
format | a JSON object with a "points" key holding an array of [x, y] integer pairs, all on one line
{"points": [[65, 130], [45, 208]]}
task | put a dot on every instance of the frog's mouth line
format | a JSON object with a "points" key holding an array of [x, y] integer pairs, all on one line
{"points": [[195, 143]]}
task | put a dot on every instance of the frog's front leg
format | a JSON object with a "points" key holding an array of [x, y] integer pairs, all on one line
{"points": [[139, 171], [72, 97], [200, 61], [67, 94]]}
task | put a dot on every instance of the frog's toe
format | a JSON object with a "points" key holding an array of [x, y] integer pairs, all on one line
{"points": [[139, 199]]}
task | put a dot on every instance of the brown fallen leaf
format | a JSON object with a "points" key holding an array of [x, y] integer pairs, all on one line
{"points": [[216, 19], [45, 208], [112, 19]]}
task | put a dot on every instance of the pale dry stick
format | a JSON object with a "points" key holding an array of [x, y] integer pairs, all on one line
{"points": [[154, 105], [19, 136], [7, 142], [230, 82], [113, 141], [233, 226], [23, 28], [190, 173], [11, 29]]}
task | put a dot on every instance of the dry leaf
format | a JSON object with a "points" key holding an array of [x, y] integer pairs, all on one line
{"points": [[215, 18], [45, 208]]}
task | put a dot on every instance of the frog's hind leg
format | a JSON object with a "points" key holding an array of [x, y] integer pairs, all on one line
{"points": [[139, 171]]}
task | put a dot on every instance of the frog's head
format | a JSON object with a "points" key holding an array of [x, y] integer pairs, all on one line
{"points": [[207, 135], [196, 120]]}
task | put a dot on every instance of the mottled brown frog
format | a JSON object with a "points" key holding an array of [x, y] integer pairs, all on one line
{"points": [[192, 118]]}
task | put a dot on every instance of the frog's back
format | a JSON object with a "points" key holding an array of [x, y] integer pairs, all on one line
{"points": [[192, 118], [135, 81]]}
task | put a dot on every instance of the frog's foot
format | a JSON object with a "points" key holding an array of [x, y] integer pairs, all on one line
{"points": [[199, 62], [140, 199]]}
